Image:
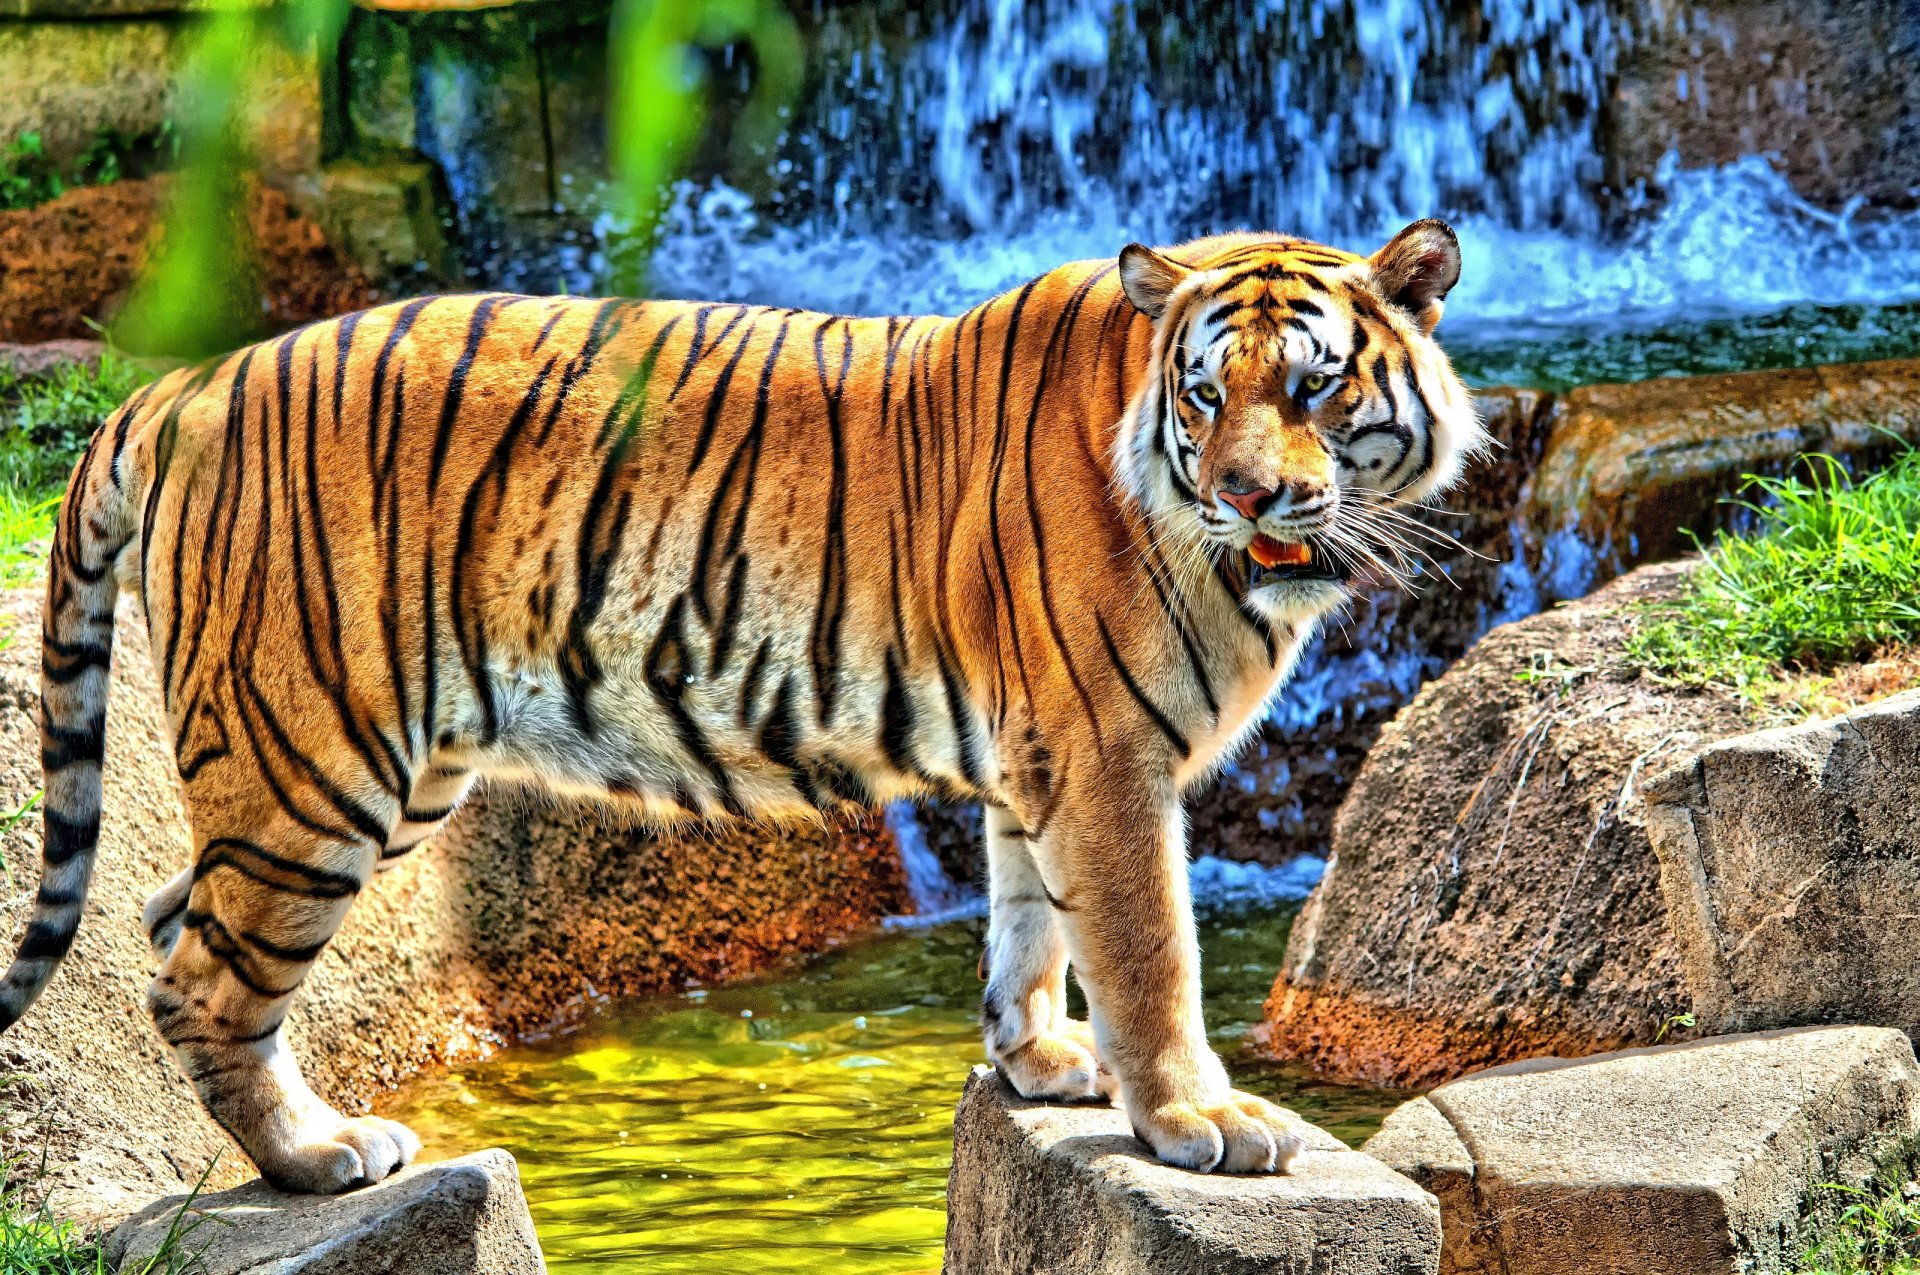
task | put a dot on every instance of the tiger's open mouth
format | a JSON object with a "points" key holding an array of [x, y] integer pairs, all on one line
{"points": [[1271, 561]]}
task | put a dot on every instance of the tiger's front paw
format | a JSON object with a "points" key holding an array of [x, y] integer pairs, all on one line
{"points": [[1238, 1134], [337, 1154], [1057, 1066]]}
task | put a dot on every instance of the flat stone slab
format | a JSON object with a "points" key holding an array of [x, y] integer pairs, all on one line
{"points": [[456, 1217], [1695, 1159], [1790, 864], [1068, 1190]]}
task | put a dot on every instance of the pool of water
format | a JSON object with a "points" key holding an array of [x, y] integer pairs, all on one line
{"points": [[798, 1124]]}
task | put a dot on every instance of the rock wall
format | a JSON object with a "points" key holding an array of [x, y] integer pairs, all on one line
{"points": [[1824, 88], [516, 917]]}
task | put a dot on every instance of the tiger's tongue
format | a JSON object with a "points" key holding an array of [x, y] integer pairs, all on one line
{"points": [[1269, 552]]}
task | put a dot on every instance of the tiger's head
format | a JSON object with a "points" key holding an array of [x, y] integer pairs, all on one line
{"points": [[1296, 405]]}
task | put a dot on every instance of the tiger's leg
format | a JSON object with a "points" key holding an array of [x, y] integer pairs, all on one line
{"points": [[1029, 1038], [261, 908], [1115, 858], [435, 795]]}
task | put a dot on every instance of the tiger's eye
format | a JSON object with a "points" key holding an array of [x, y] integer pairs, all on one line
{"points": [[1315, 383], [1207, 394]]}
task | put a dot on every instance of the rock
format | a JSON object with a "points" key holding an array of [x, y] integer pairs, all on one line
{"points": [[458, 1217], [44, 358], [385, 219], [1628, 471], [1822, 87], [71, 81], [1491, 893], [1790, 862], [1693, 1159], [75, 259], [67, 81], [1040, 1190]]}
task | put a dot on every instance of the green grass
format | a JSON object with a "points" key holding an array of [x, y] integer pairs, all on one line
{"points": [[1877, 1233], [35, 1242], [1828, 575], [44, 425]]}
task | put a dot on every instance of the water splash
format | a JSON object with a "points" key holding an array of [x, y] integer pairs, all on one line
{"points": [[1729, 240]]}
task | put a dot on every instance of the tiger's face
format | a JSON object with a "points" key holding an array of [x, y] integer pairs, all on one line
{"points": [[1298, 406]]}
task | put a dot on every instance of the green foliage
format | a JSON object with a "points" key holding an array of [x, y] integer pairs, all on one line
{"points": [[656, 112], [28, 176], [1829, 575], [35, 1242], [1878, 1233], [189, 300], [45, 422]]}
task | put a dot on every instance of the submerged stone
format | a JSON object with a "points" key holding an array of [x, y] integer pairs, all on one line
{"points": [[1707, 1158], [1068, 1190]]}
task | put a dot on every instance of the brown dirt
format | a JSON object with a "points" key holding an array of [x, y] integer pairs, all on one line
{"points": [[518, 915], [76, 258], [1492, 894]]}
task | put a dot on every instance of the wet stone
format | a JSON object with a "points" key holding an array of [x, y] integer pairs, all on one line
{"points": [[1068, 1190]]}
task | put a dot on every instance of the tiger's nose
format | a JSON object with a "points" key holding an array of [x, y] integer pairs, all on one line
{"points": [[1251, 503]]}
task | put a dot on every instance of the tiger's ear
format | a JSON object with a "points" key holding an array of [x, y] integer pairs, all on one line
{"points": [[1418, 269], [1149, 278]]}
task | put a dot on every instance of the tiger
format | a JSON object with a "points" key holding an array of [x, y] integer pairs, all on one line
{"points": [[706, 561]]}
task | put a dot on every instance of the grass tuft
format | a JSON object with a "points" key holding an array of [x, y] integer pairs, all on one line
{"points": [[1877, 1233], [1828, 576], [45, 422], [35, 1242]]}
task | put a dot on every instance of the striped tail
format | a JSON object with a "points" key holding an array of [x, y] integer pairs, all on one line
{"points": [[96, 521]]}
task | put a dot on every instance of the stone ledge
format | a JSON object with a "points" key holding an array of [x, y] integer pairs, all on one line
{"points": [[1068, 1190], [1789, 861], [457, 1217], [1694, 1159]]}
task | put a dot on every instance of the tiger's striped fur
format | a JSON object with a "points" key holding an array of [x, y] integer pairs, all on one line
{"points": [[727, 561]]}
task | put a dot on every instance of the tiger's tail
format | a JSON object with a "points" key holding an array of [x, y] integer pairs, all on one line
{"points": [[98, 518]]}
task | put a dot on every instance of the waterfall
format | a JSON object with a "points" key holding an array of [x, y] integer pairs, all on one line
{"points": [[1327, 117]]}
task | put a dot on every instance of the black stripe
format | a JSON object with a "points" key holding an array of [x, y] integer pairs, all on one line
{"points": [[896, 720], [1140, 696], [457, 386], [67, 839]]}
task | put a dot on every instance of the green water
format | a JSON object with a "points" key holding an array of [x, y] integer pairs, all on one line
{"points": [[801, 1124], [1558, 358]]}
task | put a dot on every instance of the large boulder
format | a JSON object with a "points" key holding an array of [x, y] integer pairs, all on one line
{"points": [[457, 1217], [1634, 473], [71, 82], [1709, 1158], [1790, 861], [1050, 1190], [519, 914], [1491, 893]]}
